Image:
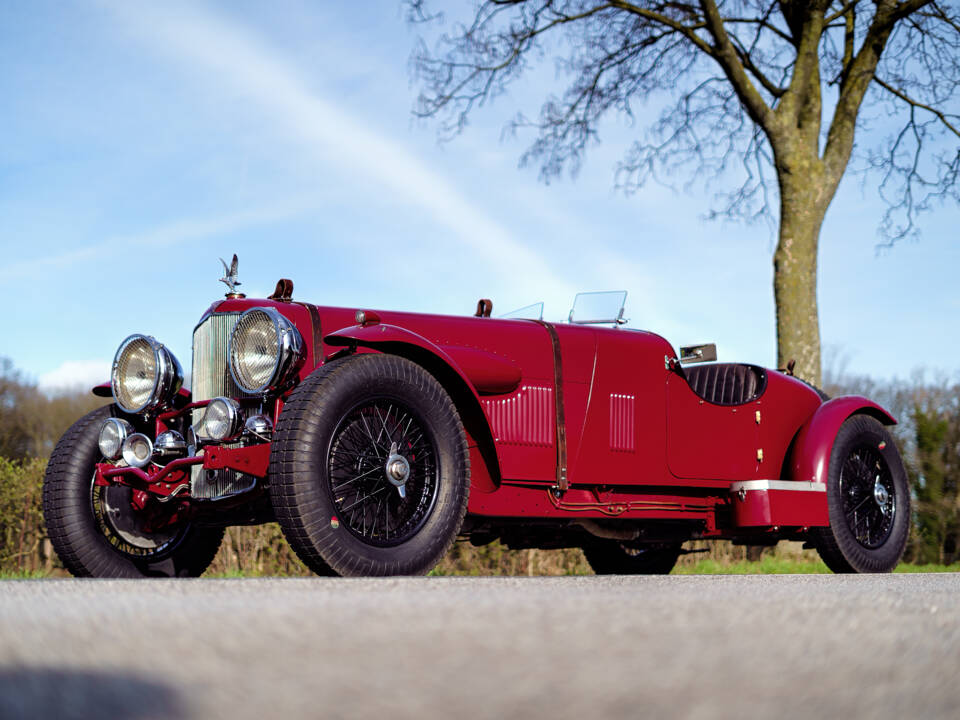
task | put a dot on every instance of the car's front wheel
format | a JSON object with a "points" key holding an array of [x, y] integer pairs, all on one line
{"points": [[868, 498], [369, 468], [101, 531]]}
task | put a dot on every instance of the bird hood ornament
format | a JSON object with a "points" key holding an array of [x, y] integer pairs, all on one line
{"points": [[230, 278]]}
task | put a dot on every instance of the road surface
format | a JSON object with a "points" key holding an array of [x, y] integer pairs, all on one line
{"points": [[560, 648]]}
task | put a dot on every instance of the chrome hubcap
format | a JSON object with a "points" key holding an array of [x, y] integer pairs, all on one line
{"points": [[882, 496], [398, 470]]}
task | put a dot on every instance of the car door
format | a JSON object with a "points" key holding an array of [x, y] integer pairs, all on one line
{"points": [[709, 441]]}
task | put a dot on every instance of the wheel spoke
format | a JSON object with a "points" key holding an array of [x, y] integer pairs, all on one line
{"points": [[364, 499], [865, 480], [354, 479], [373, 441], [359, 449]]}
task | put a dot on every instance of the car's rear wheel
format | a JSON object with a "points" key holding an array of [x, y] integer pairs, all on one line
{"points": [[369, 468], [612, 557], [100, 531], [868, 498]]}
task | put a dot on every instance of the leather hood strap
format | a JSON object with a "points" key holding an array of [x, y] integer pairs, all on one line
{"points": [[562, 482]]}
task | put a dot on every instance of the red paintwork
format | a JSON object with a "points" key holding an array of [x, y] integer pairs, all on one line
{"points": [[641, 445], [160, 481], [520, 501], [811, 456], [252, 460], [780, 507]]}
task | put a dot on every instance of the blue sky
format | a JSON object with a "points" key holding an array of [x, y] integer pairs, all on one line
{"points": [[139, 142]]}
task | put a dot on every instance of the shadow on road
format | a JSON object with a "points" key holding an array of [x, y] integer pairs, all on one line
{"points": [[64, 693]]}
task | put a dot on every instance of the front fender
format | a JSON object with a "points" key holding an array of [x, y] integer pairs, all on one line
{"points": [[466, 373], [484, 372], [814, 443]]}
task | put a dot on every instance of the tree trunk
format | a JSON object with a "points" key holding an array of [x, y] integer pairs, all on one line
{"points": [[802, 209]]}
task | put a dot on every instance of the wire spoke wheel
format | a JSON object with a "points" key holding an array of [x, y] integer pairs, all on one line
{"points": [[868, 500], [370, 468], [368, 500], [869, 497]]}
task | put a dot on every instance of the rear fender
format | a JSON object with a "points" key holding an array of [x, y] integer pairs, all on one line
{"points": [[814, 443], [491, 372]]}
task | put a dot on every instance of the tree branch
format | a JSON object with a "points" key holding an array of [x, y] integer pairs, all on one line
{"points": [[854, 87], [726, 55], [941, 116], [843, 11], [744, 55], [688, 31]]}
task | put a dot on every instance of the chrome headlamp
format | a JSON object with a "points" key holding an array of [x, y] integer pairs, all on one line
{"points": [[145, 374], [113, 432], [137, 450], [221, 420], [265, 351]]}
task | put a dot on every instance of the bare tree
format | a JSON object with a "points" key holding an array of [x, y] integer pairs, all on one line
{"points": [[766, 90]]}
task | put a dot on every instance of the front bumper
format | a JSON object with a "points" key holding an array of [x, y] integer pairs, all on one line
{"points": [[173, 479]]}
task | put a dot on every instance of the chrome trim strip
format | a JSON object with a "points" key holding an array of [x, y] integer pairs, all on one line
{"points": [[793, 485]]}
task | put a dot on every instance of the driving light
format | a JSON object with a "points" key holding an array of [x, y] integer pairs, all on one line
{"points": [[169, 443], [145, 374], [113, 432], [265, 350], [259, 426], [221, 420], [137, 450]]}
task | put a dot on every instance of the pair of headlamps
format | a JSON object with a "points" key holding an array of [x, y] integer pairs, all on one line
{"points": [[265, 352], [117, 439], [221, 421]]}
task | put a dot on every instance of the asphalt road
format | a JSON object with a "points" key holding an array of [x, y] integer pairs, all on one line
{"points": [[674, 647]]}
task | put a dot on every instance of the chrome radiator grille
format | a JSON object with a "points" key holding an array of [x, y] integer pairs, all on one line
{"points": [[211, 378], [211, 371]]}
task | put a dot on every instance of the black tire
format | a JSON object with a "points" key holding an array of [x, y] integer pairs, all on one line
{"points": [[84, 536], [869, 501], [326, 468], [611, 557]]}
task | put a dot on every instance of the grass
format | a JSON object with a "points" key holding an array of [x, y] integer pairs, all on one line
{"points": [[494, 559], [787, 566], [765, 566], [24, 575]]}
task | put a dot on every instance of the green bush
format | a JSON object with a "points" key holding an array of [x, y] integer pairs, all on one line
{"points": [[24, 547]]}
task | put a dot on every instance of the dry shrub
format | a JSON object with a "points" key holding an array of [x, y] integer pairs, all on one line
{"points": [[256, 550], [24, 547]]}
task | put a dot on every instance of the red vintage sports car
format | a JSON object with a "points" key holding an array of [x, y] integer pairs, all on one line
{"points": [[377, 438]]}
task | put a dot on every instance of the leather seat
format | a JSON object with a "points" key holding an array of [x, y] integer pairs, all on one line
{"points": [[727, 383]]}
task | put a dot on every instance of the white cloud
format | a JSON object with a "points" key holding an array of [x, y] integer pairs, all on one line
{"points": [[224, 56], [74, 374], [178, 231]]}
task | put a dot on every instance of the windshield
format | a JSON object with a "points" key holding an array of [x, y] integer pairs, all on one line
{"points": [[597, 308], [527, 312]]}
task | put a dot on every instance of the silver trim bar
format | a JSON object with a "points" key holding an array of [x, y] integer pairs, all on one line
{"points": [[795, 485]]}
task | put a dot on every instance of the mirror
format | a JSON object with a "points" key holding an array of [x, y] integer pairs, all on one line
{"points": [[698, 353], [598, 308], [527, 312]]}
